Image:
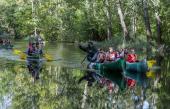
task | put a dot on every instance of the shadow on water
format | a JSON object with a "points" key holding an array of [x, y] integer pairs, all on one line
{"points": [[58, 88]]}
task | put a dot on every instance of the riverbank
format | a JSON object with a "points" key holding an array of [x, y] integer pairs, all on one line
{"points": [[117, 43]]}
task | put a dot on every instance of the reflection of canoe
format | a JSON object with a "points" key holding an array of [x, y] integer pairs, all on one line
{"points": [[136, 71], [6, 46], [116, 71], [113, 71]]}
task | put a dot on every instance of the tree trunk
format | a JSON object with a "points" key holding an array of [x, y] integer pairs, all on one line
{"points": [[133, 23], [109, 20], [158, 25], [147, 23], [121, 16], [156, 4], [86, 12]]}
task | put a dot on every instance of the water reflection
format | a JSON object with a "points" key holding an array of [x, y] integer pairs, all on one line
{"points": [[34, 67], [58, 88], [163, 86], [6, 102], [8, 54], [65, 54]]}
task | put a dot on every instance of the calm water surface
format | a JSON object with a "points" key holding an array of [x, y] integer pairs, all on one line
{"points": [[57, 87]]}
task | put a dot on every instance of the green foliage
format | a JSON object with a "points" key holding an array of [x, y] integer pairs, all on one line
{"points": [[164, 94], [79, 20]]}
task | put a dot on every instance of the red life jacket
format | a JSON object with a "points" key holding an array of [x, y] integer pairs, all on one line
{"points": [[131, 83], [131, 58]]}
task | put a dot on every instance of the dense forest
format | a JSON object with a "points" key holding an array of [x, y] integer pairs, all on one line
{"points": [[136, 25], [81, 20]]}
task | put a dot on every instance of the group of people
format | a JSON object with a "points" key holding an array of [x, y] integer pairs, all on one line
{"points": [[35, 45], [5, 42], [111, 55]]}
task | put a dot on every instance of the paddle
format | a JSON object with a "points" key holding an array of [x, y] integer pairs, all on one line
{"points": [[83, 59], [23, 55], [152, 68], [48, 57], [17, 52]]}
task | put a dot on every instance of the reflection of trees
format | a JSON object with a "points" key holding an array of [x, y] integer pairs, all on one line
{"points": [[57, 88], [164, 92]]}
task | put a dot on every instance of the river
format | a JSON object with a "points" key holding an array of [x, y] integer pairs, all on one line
{"points": [[58, 86]]}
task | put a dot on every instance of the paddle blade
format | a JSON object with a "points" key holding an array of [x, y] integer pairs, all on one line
{"points": [[23, 56], [17, 52], [151, 63], [151, 73], [48, 57]]}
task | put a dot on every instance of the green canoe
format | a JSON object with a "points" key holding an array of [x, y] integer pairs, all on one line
{"points": [[118, 70], [136, 71], [113, 71]]}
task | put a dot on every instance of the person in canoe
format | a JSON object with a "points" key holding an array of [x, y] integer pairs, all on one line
{"points": [[132, 57], [122, 53], [35, 45], [91, 51], [34, 50], [6, 43], [111, 54]]}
